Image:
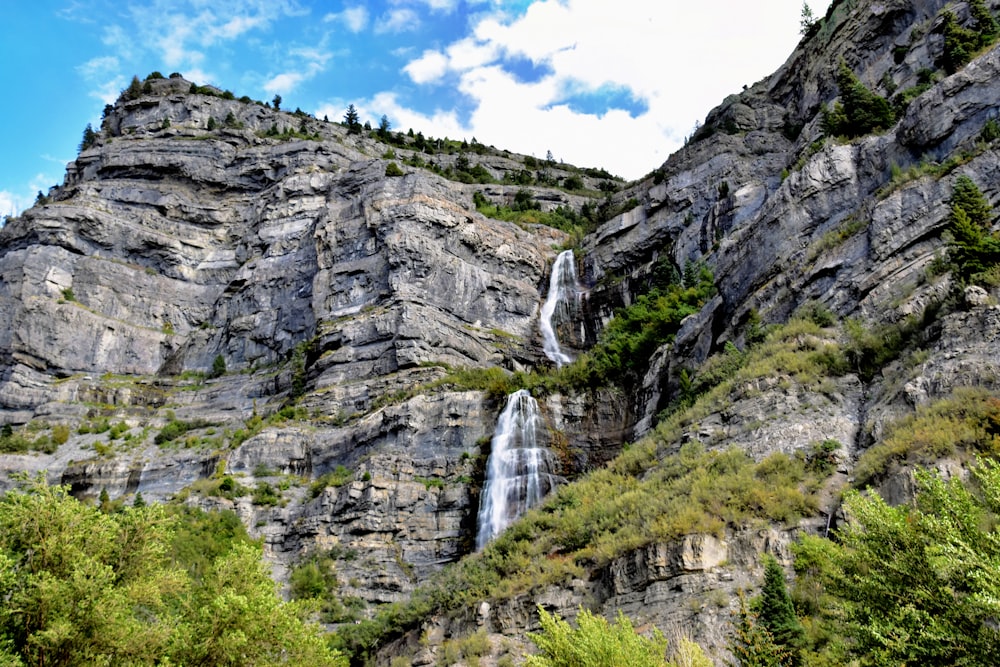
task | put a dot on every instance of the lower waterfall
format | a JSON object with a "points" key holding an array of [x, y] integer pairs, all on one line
{"points": [[518, 472]]}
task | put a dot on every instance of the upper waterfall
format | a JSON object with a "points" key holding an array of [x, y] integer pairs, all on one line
{"points": [[562, 287]]}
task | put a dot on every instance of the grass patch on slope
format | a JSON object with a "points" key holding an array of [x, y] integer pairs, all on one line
{"points": [[964, 423], [651, 493]]}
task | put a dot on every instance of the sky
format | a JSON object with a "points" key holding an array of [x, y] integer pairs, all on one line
{"points": [[615, 84]]}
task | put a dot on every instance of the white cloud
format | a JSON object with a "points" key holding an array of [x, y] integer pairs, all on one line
{"points": [[676, 60], [314, 56], [104, 76], [315, 60], [440, 5], [77, 11], [396, 21], [9, 204], [469, 53], [283, 83], [98, 67], [355, 19], [15, 203], [199, 76], [180, 31], [431, 66], [441, 123], [118, 39], [42, 182], [237, 26]]}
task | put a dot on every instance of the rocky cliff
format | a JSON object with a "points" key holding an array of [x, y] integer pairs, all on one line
{"points": [[276, 247], [294, 318]]}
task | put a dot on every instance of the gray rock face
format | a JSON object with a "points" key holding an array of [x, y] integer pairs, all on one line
{"points": [[310, 273], [777, 239]]}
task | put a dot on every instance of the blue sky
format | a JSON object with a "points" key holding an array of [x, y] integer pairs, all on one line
{"points": [[616, 84]]}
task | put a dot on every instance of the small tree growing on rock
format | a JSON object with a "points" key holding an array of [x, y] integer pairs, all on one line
{"points": [[89, 138], [859, 110], [352, 121]]}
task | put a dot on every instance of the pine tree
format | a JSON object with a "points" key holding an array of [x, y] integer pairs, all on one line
{"points": [[973, 249], [752, 644], [806, 20], [134, 90], [777, 613], [859, 110], [352, 121], [986, 23], [218, 367], [89, 138]]}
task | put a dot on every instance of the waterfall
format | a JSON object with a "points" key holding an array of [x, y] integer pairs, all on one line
{"points": [[518, 472], [562, 287]]}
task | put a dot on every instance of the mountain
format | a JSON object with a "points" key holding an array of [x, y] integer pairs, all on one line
{"points": [[317, 326]]}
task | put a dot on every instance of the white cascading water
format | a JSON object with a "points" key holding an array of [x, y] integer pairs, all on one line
{"points": [[518, 472], [562, 287]]}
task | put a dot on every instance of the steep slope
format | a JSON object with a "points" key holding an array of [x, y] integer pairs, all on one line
{"points": [[831, 230]]}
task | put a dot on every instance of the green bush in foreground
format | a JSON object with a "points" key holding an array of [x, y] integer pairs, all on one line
{"points": [[595, 643], [912, 585], [85, 587]]}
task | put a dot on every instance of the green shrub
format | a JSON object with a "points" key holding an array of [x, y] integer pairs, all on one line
{"points": [[636, 331], [60, 434], [201, 536], [229, 488], [117, 430], [990, 131], [16, 441], [392, 169], [176, 428], [314, 578], [430, 482], [526, 211], [218, 367], [267, 495], [968, 422], [337, 477], [870, 349], [594, 642], [961, 44], [859, 110], [477, 644], [910, 584]]}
